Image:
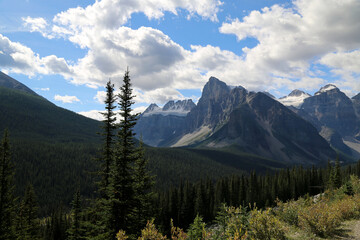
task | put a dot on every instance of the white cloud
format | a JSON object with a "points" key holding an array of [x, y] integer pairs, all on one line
{"points": [[346, 66], [110, 14], [43, 89], [66, 98], [292, 39], [18, 58], [159, 95], [94, 114], [292, 42], [35, 24]]}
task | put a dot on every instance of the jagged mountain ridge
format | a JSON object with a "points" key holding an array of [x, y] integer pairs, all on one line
{"points": [[337, 118], [156, 125], [253, 122]]}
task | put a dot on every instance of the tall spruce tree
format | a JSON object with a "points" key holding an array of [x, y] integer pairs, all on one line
{"points": [[7, 199], [98, 215], [143, 183], [109, 135], [121, 189], [28, 224], [75, 231], [337, 174]]}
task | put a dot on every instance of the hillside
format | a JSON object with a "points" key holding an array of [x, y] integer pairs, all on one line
{"points": [[29, 116]]}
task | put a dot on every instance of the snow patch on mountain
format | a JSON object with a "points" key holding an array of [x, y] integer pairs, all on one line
{"points": [[295, 98], [326, 88], [180, 108]]}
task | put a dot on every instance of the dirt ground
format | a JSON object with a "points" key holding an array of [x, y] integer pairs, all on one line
{"points": [[350, 230]]}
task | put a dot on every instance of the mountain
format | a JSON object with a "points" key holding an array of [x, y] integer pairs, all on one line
{"points": [[333, 109], [333, 114], [295, 98], [8, 82], [250, 122], [178, 108], [356, 103], [156, 125], [27, 115]]}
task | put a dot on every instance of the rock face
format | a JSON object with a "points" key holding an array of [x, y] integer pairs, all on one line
{"points": [[214, 106], [336, 117], [157, 125], [356, 102], [333, 109], [227, 116], [263, 126], [302, 132]]}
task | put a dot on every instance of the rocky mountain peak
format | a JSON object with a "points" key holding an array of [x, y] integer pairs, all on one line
{"points": [[151, 108], [295, 98], [327, 88], [297, 93], [178, 108], [214, 89], [185, 105], [356, 97]]}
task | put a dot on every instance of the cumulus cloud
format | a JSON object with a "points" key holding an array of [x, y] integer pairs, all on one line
{"points": [[66, 98], [292, 41], [94, 114], [35, 24], [15, 57]]}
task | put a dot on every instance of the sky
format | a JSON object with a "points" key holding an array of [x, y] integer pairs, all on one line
{"points": [[67, 50]]}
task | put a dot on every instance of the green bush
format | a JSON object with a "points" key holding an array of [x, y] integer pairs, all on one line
{"points": [[320, 218], [265, 226]]}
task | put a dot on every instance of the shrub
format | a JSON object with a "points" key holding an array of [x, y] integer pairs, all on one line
{"points": [[320, 218], [231, 223], [289, 211], [121, 235], [150, 232], [177, 233], [197, 229], [348, 207], [265, 226]]}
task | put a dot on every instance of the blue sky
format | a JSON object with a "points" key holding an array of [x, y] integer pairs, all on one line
{"points": [[67, 50]]}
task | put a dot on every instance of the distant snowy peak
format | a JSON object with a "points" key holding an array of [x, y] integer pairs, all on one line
{"points": [[152, 108], [326, 88], [295, 98], [178, 108], [184, 105]]}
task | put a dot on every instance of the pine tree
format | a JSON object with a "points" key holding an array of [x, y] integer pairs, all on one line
{"points": [[143, 183], [99, 212], [75, 231], [108, 134], [28, 224], [7, 199], [121, 189], [337, 173]]}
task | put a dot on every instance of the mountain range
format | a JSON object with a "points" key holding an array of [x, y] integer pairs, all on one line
{"points": [[55, 149], [296, 129]]}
